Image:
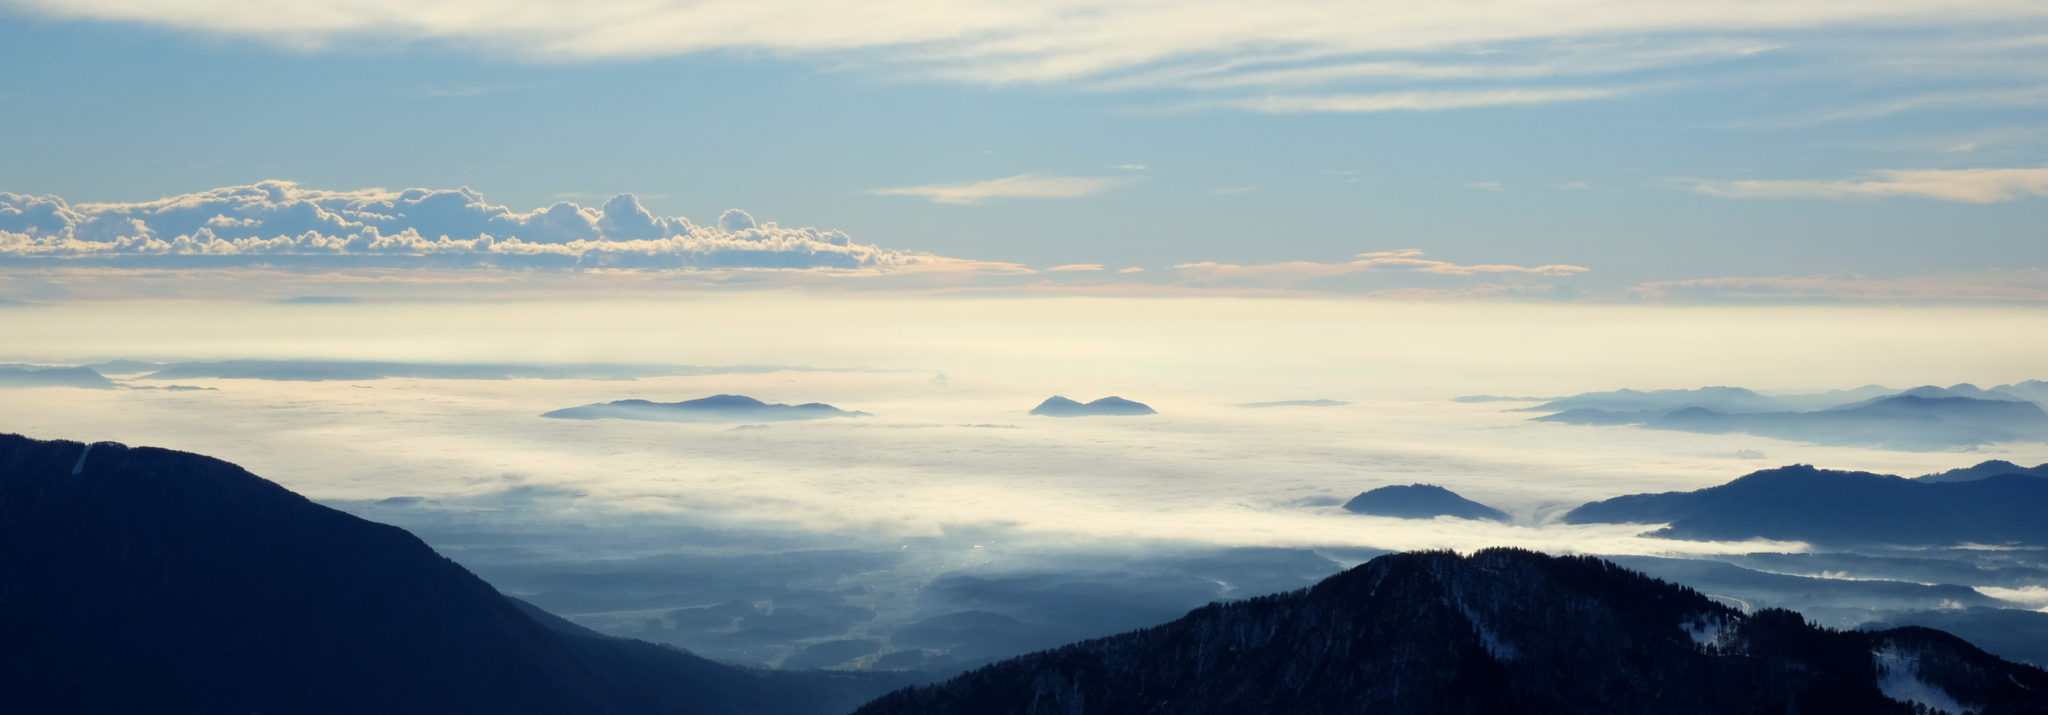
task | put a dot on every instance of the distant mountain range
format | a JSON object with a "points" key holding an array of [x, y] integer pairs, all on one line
{"points": [[34, 376], [146, 580], [1500, 631], [1058, 406], [1420, 501], [1921, 419], [1803, 503], [716, 408], [1991, 468], [1294, 403], [361, 370]]}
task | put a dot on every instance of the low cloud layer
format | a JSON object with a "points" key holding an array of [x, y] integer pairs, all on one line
{"points": [[1408, 259], [2013, 286], [279, 223], [1977, 186]]}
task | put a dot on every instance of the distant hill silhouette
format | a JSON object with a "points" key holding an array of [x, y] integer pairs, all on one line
{"points": [[1802, 503], [358, 370], [1420, 501], [2011, 633], [1501, 631], [1989, 468], [716, 408], [136, 580], [1057, 406], [34, 376]]}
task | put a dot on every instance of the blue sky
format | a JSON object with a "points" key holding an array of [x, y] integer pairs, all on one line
{"points": [[1612, 139]]}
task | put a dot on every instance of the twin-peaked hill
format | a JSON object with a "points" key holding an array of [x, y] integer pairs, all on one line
{"points": [[1501, 631], [1060, 406], [138, 580]]}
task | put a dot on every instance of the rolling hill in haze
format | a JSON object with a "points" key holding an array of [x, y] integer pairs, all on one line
{"points": [[1825, 506], [716, 408]]}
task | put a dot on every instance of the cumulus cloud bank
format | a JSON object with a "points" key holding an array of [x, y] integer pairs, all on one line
{"points": [[281, 223]]}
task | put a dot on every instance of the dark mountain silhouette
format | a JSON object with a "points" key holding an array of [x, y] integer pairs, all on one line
{"points": [[1057, 406], [716, 408], [1824, 506], [34, 376], [2010, 633], [1420, 501], [1989, 468], [1500, 631], [148, 580]]}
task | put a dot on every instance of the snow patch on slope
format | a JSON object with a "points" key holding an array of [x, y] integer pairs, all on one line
{"points": [[1497, 647], [79, 466], [1712, 633], [1898, 677]]}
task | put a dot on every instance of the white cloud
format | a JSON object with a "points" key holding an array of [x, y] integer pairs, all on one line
{"points": [[1535, 61], [1422, 101], [1401, 260], [1130, 269], [1077, 267], [1193, 45], [1021, 186], [1977, 186], [280, 223], [2014, 286], [1486, 185]]}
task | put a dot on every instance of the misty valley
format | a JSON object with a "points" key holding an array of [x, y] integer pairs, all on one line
{"points": [[1926, 591]]}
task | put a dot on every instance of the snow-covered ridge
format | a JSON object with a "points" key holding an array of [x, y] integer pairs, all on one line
{"points": [[1898, 677]]}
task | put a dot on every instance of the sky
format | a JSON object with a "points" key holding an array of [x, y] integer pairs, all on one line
{"points": [[941, 213], [1512, 149]]}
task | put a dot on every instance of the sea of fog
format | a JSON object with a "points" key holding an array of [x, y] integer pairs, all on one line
{"points": [[949, 499]]}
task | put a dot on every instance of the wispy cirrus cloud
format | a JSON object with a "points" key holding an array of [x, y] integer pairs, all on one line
{"points": [[1422, 101], [1994, 98], [1409, 259], [1977, 186], [1020, 186], [1205, 46]]}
